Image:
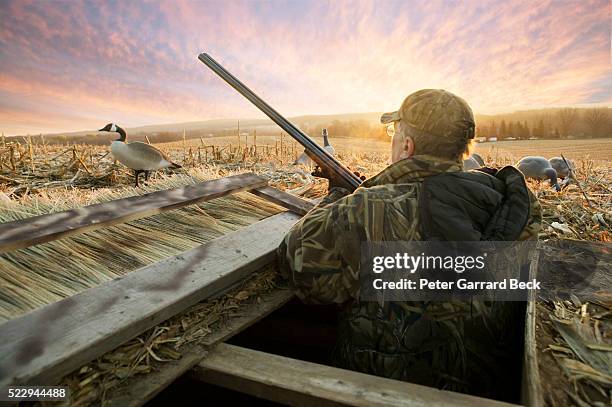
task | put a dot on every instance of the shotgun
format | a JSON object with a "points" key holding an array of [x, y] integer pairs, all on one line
{"points": [[337, 173]]}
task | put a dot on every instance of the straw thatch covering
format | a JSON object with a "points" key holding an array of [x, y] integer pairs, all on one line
{"points": [[45, 273]]}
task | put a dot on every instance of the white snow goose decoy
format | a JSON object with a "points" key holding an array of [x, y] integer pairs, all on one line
{"points": [[539, 168], [303, 159], [139, 156]]}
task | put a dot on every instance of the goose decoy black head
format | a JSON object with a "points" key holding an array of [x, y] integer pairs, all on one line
{"points": [[303, 159], [109, 127], [328, 147], [113, 128], [552, 176]]}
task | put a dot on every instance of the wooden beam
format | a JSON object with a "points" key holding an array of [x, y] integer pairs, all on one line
{"points": [[295, 382], [139, 389], [531, 389], [40, 229], [44, 345], [284, 199]]}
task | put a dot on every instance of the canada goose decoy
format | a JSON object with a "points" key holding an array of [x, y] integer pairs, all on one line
{"points": [[139, 156], [539, 168], [303, 159], [559, 164]]}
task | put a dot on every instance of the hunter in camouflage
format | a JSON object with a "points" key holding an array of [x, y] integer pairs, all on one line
{"points": [[423, 195]]}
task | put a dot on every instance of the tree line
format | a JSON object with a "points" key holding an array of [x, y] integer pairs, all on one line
{"points": [[547, 123], [560, 123]]}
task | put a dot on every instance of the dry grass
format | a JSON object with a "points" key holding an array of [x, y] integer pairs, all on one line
{"points": [[165, 342], [574, 338], [574, 345], [568, 215], [29, 167], [588, 149]]}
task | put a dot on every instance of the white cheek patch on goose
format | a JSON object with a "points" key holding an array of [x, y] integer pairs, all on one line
{"points": [[113, 127]]}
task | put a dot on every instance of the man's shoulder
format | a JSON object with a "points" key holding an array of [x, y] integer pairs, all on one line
{"points": [[388, 191]]}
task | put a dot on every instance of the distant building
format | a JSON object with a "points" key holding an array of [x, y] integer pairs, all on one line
{"points": [[480, 139], [492, 139]]}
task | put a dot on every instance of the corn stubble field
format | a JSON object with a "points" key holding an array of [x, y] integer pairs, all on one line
{"points": [[36, 179]]}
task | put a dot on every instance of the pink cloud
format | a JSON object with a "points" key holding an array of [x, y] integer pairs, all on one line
{"points": [[138, 61]]}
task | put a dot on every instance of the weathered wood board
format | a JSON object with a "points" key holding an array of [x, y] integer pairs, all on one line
{"points": [[44, 345], [44, 228], [531, 390], [295, 382]]}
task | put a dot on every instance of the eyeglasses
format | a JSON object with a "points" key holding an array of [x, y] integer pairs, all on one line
{"points": [[391, 129]]}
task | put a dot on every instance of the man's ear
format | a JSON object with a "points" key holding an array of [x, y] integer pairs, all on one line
{"points": [[408, 147]]}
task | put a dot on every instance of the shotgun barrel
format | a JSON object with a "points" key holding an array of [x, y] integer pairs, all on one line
{"points": [[337, 172]]}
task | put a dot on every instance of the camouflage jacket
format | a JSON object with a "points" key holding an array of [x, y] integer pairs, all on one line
{"points": [[419, 198]]}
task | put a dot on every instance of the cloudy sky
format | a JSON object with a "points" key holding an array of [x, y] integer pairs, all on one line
{"points": [[69, 65]]}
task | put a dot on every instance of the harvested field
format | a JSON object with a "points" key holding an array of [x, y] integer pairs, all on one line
{"points": [[598, 150], [43, 179], [594, 149], [29, 167]]}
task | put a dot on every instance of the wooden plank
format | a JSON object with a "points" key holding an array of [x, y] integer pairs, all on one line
{"points": [[44, 228], [284, 199], [531, 389], [142, 388], [44, 345], [295, 382]]}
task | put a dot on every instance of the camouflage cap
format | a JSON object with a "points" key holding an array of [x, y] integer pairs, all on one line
{"points": [[435, 112]]}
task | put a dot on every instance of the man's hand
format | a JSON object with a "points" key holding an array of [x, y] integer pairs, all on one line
{"points": [[324, 173]]}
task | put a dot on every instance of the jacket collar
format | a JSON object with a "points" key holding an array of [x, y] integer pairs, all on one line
{"points": [[413, 169]]}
